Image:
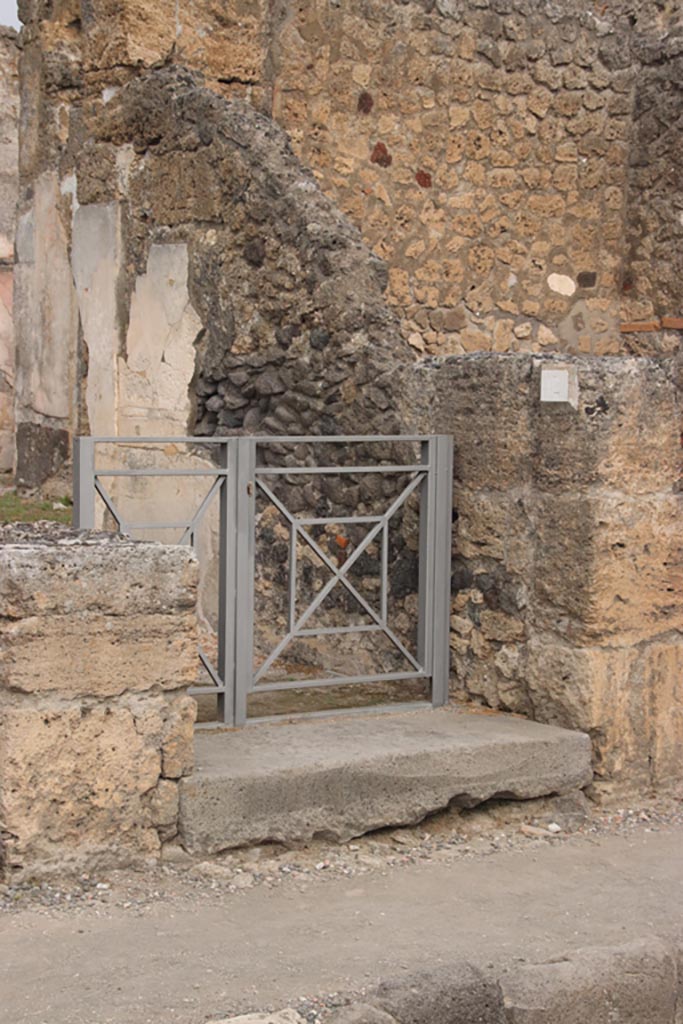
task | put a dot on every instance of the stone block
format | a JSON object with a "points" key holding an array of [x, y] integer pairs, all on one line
{"points": [[493, 525], [95, 258], [662, 672], [483, 401], [622, 435], [455, 994], [609, 566], [498, 626], [41, 452], [361, 1013], [177, 746], [632, 983], [287, 1016], [637, 554], [641, 452], [46, 317], [163, 808], [7, 362], [340, 778], [592, 689], [97, 574], [72, 788], [627, 698], [97, 650], [90, 655]]}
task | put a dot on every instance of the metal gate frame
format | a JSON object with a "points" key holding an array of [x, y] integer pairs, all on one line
{"points": [[235, 480]]}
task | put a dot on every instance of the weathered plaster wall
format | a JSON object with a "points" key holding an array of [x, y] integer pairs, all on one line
{"points": [[207, 284], [95, 724], [46, 336], [9, 173], [568, 569]]}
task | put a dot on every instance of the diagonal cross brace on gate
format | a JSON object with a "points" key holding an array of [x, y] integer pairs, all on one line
{"points": [[234, 481]]}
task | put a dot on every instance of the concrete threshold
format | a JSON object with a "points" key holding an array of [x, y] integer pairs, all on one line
{"points": [[341, 777]]}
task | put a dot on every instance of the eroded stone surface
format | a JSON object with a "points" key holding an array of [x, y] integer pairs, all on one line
{"points": [[632, 983], [97, 649], [481, 153], [341, 777], [567, 572]]}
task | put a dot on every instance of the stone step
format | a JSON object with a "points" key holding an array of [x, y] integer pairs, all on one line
{"points": [[341, 777]]}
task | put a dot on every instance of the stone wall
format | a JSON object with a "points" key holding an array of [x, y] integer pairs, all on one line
{"points": [[9, 174], [494, 152], [182, 270], [483, 147], [503, 158], [207, 285], [568, 569], [653, 271], [97, 648]]}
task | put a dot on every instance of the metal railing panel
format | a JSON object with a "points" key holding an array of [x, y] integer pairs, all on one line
{"points": [[234, 482]]}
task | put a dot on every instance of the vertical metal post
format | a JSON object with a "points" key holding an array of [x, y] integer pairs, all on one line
{"points": [[384, 574], [426, 559], [244, 576], [442, 470], [292, 569], [227, 555], [83, 516]]}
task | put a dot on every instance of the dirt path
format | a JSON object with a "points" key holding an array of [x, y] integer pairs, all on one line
{"points": [[189, 957]]}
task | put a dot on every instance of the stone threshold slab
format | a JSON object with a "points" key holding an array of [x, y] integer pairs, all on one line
{"points": [[337, 778]]}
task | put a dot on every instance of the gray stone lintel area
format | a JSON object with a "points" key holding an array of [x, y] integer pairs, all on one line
{"points": [[340, 777]]}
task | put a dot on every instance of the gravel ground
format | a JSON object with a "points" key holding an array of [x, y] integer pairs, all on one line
{"points": [[311, 928], [446, 837]]}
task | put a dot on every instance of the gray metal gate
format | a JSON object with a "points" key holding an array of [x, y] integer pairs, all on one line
{"points": [[234, 478]]}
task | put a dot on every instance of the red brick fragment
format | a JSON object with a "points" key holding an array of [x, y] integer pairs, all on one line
{"points": [[381, 155], [365, 103], [674, 323], [640, 325], [424, 179]]}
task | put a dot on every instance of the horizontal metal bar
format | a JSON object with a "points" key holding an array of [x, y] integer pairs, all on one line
{"points": [[339, 520], [211, 691], [161, 472], [268, 439], [159, 526], [338, 438], [306, 684], [160, 440], [333, 630], [328, 470]]}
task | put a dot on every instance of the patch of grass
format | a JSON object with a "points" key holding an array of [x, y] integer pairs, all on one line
{"points": [[17, 508]]}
